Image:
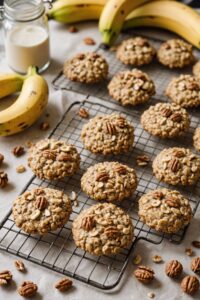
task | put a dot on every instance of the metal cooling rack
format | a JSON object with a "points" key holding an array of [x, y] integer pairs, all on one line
{"points": [[56, 250]]}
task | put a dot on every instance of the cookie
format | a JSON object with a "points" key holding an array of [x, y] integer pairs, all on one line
{"points": [[103, 229], [88, 67], [175, 53], [136, 51], [109, 181], [196, 139], [131, 87], [108, 134], [41, 210], [165, 210], [177, 166], [165, 120], [184, 91], [196, 70], [51, 159]]}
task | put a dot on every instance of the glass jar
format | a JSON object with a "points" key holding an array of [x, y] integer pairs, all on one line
{"points": [[26, 34]]}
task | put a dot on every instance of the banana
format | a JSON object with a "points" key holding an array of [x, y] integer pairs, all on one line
{"points": [[10, 84], [71, 11], [173, 16], [28, 106]]}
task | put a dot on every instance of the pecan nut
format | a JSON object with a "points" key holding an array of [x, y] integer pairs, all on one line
{"points": [[88, 223], [49, 154], [144, 274], [120, 169], [174, 165], [196, 244], [1, 158], [173, 269], [195, 265], [142, 160], [20, 265], [172, 202], [178, 153], [166, 112], [120, 122], [64, 284], [111, 232], [3, 179], [18, 151], [176, 117], [64, 157], [190, 285], [5, 277], [110, 128], [89, 41], [27, 289], [158, 195], [41, 203], [102, 176], [83, 113]]}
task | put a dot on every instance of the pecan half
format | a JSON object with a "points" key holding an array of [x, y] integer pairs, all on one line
{"points": [[178, 153], [120, 169], [39, 191], [176, 117], [120, 122], [64, 157], [144, 274], [111, 232], [88, 223], [192, 85], [158, 195], [3, 179], [89, 41], [172, 202], [174, 165], [142, 160], [41, 203], [18, 151], [73, 29], [83, 113], [49, 154], [5, 277], [195, 265], [190, 285], [196, 244], [173, 269], [102, 176], [27, 289], [64, 284], [166, 112], [110, 128], [20, 265]]}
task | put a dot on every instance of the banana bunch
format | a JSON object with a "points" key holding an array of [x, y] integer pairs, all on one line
{"points": [[71, 11], [28, 106], [173, 16]]}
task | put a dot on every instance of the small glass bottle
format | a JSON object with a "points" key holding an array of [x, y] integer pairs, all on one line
{"points": [[26, 34]]}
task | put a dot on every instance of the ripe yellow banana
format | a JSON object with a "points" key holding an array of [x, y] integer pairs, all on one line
{"points": [[70, 11], [173, 16], [10, 84], [28, 106]]}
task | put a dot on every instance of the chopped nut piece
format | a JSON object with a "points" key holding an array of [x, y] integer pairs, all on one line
{"points": [[20, 169], [29, 144], [44, 126], [144, 274], [111, 232], [157, 259], [189, 251], [64, 284], [173, 269], [190, 285], [5, 277], [151, 295], [113, 49], [18, 151], [83, 113], [172, 202], [196, 244], [73, 196], [137, 259], [89, 41], [195, 265], [20, 265], [27, 289], [142, 160], [3, 179], [73, 29], [1, 158]]}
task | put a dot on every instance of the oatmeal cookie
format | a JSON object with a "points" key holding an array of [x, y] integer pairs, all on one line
{"points": [[136, 51], [165, 210], [88, 67], [51, 159], [110, 181], [131, 87], [103, 229], [177, 166], [175, 53], [108, 134], [165, 120], [41, 210], [184, 91], [196, 70], [196, 139]]}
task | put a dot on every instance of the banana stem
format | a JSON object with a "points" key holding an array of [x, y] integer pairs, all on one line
{"points": [[32, 70]]}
